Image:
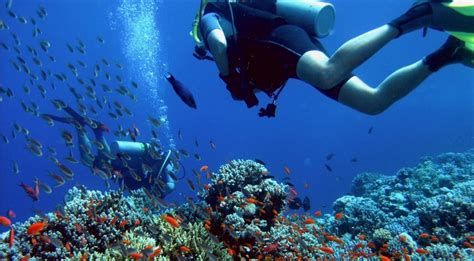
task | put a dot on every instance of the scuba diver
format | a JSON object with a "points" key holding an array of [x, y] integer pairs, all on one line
{"points": [[135, 164], [258, 45]]}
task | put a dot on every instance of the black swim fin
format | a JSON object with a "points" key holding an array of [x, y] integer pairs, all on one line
{"points": [[452, 51], [183, 92], [418, 16]]}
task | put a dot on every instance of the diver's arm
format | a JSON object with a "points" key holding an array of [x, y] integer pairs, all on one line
{"points": [[216, 41], [218, 48]]}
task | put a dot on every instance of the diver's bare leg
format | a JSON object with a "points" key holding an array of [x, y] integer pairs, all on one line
{"points": [[318, 70], [358, 95], [99, 136], [84, 146]]}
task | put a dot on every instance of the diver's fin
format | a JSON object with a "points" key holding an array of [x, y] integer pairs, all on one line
{"points": [[75, 115], [418, 16], [452, 51]]}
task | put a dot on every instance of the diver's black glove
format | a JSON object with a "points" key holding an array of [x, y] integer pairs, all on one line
{"points": [[233, 83]]}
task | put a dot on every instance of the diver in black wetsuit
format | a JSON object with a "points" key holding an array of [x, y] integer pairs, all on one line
{"points": [[259, 44], [136, 164]]}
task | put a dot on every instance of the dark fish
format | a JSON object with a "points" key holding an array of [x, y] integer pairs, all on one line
{"points": [[328, 167], [12, 14], [370, 130], [329, 156], [15, 167], [70, 48], [306, 204], [354, 160], [22, 20], [4, 46], [289, 184], [260, 162], [295, 204], [183, 92], [154, 134], [5, 139], [100, 40]]}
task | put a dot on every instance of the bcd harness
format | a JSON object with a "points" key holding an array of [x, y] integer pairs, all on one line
{"points": [[200, 53]]}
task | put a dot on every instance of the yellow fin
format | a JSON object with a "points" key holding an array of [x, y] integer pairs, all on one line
{"points": [[465, 7]]}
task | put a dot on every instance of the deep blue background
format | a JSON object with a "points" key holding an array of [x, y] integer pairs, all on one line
{"points": [[435, 118]]}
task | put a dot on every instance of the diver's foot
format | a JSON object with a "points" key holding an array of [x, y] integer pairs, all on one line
{"points": [[418, 16], [452, 51]]}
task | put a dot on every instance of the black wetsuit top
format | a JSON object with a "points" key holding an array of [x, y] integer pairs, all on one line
{"points": [[267, 46]]}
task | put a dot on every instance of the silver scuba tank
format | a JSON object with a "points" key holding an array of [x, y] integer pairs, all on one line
{"points": [[128, 147], [315, 17]]}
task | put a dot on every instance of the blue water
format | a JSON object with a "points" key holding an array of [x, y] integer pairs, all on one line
{"points": [[151, 37]]}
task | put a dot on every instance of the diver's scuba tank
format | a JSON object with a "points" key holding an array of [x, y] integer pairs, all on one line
{"points": [[315, 17], [128, 147]]}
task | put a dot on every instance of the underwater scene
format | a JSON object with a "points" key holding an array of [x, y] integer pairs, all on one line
{"points": [[236, 130]]}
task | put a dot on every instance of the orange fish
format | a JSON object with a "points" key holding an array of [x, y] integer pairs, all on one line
{"points": [[36, 228], [309, 221], [338, 215], [253, 201], [114, 220], [318, 213], [12, 237], [5, 221], [25, 258], [231, 251], [287, 170], [123, 223], [384, 258], [184, 249], [424, 235], [11, 214], [171, 220], [204, 168], [327, 250], [402, 238], [362, 237], [136, 256], [422, 251], [67, 246], [156, 252]]}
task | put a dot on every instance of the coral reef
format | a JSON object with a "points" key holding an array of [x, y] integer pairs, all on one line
{"points": [[431, 203], [422, 212], [107, 225]]}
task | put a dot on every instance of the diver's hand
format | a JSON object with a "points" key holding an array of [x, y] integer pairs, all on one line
{"points": [[233, 82]]}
